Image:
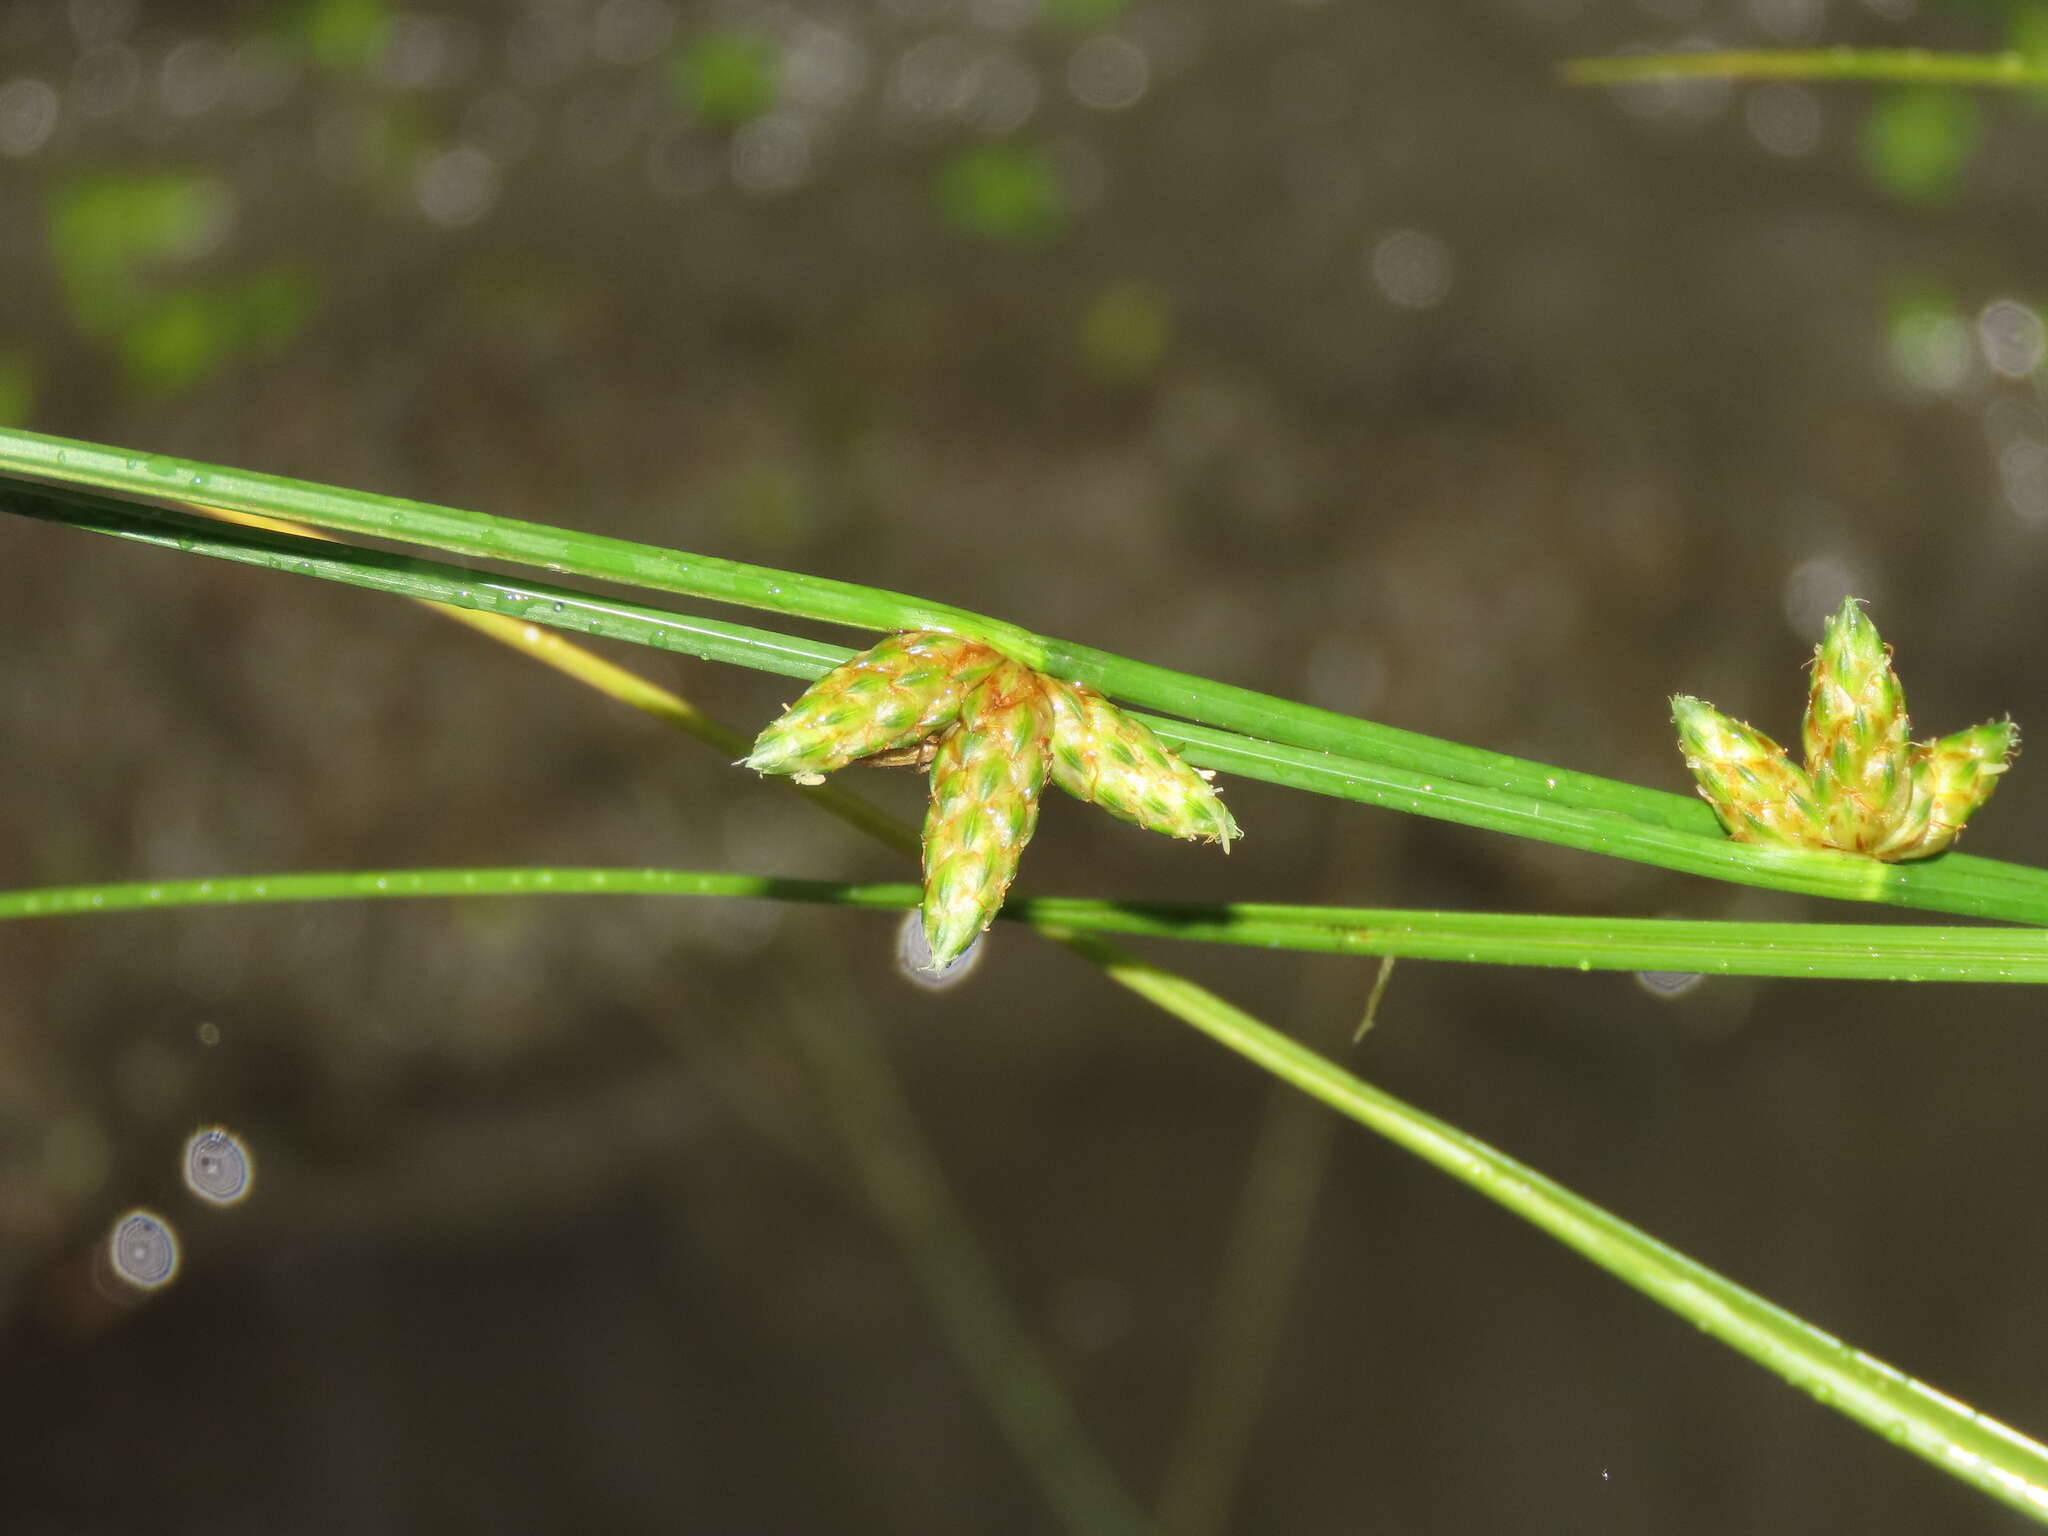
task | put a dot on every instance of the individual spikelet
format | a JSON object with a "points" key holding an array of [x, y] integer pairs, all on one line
{"points": [[1858, 757], [1956, 775], [891, 696], [1106, 757], [1755, 789], [986, 781]]}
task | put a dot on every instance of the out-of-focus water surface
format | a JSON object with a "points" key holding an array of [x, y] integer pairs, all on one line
{"points": [[1335, 350]]}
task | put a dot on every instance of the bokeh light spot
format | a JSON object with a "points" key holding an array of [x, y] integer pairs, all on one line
{"points": [[217, 1166], [143, 1250], [914, 956], [823, 67], [2012, 338], [2023, 472], [1930, 344], [1668, 984], [771, 155], [932, 79], [1411, 269], [28, 116], [456, 187], [1108, 73], [1784, 118], [194, 78], [1815, 588], [1003, 94]]}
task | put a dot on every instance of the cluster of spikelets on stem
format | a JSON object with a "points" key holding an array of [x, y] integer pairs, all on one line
{"points": [[1865, 788], [991, 731]]}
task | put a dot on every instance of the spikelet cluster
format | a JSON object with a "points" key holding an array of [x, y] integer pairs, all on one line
{"points": [[991, 731], [1866, 787]]}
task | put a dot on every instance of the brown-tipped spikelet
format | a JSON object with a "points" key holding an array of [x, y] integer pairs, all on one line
{"points": [[1857, 754], [986, 782], [1102, 755], [891, 696], [1746, 777]]}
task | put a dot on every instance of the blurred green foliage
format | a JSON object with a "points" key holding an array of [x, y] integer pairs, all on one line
{"points": [[1126, 330], [1084, 13], [2026, 30], [342, 35], [1004, 192], [106, 230], [1930, 338], [727, 78], [17, 387], [768, 507], [119, 240], [2026, 34], [1918, 139], [188, 334], [386, 143]]}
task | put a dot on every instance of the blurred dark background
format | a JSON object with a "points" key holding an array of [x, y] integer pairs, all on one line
{"points": [[1336, 350]]}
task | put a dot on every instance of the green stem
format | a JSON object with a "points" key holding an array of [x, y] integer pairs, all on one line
{"points": [[1953, 883], [1841, 951], [1262, 1264], [1965, 1444], [551, 649], [906, 1188], [1885, 66], [560, 550], [899, 1170]]}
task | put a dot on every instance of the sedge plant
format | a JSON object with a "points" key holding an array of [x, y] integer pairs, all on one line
{"points": [[998, 733]]}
